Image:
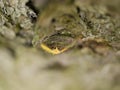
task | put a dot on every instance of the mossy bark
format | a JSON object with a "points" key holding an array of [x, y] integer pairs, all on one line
{"points": [[25, 67]]}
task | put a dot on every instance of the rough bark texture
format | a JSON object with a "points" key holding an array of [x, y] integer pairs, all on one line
{"points": [[88, 66]]}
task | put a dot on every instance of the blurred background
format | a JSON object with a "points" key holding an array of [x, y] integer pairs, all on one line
{"points": [[112, 5], [24, 67]]}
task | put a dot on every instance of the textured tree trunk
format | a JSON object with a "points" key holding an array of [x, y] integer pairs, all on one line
{"points": [[84, 67]]}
